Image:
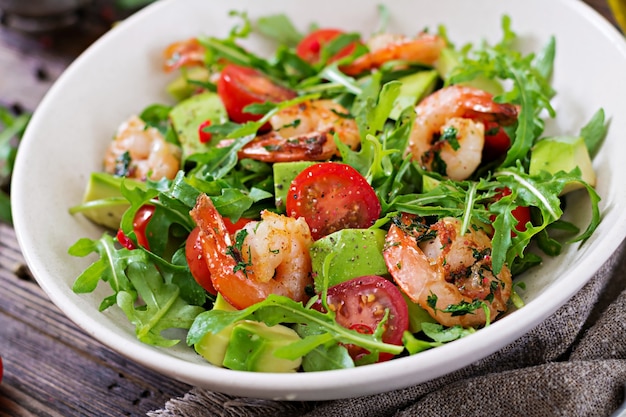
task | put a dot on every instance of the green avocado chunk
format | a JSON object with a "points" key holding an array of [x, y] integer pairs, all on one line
{"points": [[253, 347], [347, 254], [562, 153], [103, 203], [189, 114], [183, 86], [248, 345], [284, 173], [212, 347], [413, 89], [417, 315]]}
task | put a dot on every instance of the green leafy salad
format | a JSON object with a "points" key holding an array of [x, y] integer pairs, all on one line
{"points": [[342, 202]]}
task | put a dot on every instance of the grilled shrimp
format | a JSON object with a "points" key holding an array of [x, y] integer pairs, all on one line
{"points": [[304, 132], [449, 132], [272, 258], [443, 270], [141, 152], [423, 49]]}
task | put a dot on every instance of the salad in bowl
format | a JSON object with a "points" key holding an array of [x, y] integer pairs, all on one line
{"points": [[344, 201], [294, 202]]}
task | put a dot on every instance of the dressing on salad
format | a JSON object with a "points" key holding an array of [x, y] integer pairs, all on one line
{"points": [[341, 203]]}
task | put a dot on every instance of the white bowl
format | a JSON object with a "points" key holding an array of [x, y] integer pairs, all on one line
{"points": [[120, 74]]}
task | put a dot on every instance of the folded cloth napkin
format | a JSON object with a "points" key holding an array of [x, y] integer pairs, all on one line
{"points": [[572, 364]]}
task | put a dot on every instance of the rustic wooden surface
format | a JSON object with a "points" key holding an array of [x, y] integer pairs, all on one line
{"points": [[52, 368]]}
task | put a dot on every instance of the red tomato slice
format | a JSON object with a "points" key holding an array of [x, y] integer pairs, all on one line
{"points": [[497, 142], [140, 222], [310, 47], [237, 226], [521, 213], [195, 258], [332, 196], [203, 136], [197, 262], [239, 87], [360, 304]]}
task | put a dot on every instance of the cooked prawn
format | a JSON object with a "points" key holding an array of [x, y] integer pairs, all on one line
{"points": [[385, 47], [449, 132], [440, 268], [272, 259], [141, 152], [185, 53], [305, 132]]}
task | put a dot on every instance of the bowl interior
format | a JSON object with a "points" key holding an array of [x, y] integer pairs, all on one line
{"points": [[120, 75]]}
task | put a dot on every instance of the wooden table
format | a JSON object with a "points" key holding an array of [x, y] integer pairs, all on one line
{"points": [[52, 368]]}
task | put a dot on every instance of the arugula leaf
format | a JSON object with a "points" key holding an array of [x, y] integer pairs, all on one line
{"points": [[277, 309], [531, 89], [280, 28], [13, 128], [539, 191], [163, 307], [324, 358], [110, 267], [439, 335], [442, 334], [5, 208], [157, 116], [594, 132]]}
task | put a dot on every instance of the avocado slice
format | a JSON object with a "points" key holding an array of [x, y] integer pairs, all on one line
{"points": [[189, 114], [103, 203], [429, 183], [182, 87], [284, 173], [563, 153], [417, 315], [253, 346], [248, 345], [347, 254], [212, 347], [413, 89]]}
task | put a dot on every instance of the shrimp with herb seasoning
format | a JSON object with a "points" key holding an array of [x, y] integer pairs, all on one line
{"points": [[425, 48], [448, 135], [305, 132], [141, 152], [270, 256], [447, 271]]}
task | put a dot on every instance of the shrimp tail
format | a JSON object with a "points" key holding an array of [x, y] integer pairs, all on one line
{"points": [[216, 242]]}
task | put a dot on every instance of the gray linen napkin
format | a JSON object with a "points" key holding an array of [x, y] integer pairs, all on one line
{"points": [[572, 364]]}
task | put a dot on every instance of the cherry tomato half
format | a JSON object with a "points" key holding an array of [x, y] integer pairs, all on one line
{"points": [[239, 87], [521, 213], [1, 369], [360, 304], [140, 222], [237, 226], [194, 254], [497, 142], [310, 47], [197, 263], [332, 196]]}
